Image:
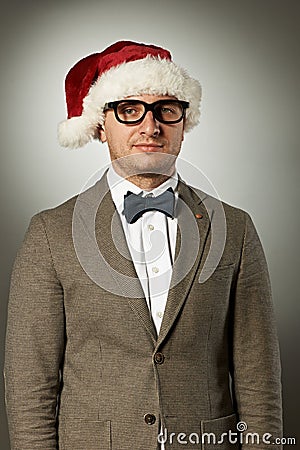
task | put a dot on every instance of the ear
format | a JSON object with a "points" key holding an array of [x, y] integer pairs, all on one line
{"points": [[182, 137], [102, 134]]}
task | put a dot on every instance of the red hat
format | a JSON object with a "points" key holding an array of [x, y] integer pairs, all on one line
{"points": [[124, 69]]}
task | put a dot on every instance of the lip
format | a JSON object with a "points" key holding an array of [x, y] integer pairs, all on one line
{"points": [[148, 147]]}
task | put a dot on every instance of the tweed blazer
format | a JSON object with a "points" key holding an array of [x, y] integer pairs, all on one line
{"points": [[84, 367]]}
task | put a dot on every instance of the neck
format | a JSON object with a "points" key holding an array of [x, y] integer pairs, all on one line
{"points": [[145, 181], [148, 182]]}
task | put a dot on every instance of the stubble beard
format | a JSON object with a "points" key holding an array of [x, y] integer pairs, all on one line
{"points": [[146, 169]]}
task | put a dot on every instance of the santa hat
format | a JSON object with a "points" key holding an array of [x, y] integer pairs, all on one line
{"points": [[124, 69]]}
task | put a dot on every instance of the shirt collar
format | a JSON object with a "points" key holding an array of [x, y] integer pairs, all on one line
{"points": [[119, 186]]}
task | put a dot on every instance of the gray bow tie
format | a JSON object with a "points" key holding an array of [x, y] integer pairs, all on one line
{"points": [[136, 205]]}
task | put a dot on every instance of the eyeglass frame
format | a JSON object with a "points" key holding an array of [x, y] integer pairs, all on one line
{"points": [[148, 107]]}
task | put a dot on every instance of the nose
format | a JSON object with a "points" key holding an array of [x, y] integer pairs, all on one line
{"points": [[150, 126]]}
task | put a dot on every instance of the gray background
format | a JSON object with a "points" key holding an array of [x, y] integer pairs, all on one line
{"points": [[245, 53]]}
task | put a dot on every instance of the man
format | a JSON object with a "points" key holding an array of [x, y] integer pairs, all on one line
{"points": [[140, 314]]}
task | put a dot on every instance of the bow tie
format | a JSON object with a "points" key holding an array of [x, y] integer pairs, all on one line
{"points": [[136, 205]]}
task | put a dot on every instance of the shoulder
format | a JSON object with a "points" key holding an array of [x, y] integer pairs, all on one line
{"points": [[61, 216], [225, 219], [213, 204], [233, 226]]}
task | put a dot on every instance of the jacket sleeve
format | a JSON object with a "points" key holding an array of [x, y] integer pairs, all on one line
{"points": [[34, 344], [256, 370]]}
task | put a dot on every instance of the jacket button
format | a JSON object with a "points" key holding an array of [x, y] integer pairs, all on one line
{"points": [[159, 358], [149, 419]]}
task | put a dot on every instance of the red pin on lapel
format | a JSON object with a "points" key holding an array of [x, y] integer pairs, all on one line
{"points": [[198, 216]]}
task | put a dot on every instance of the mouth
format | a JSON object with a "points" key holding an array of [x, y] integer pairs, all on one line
{"points": [[148, 147]]}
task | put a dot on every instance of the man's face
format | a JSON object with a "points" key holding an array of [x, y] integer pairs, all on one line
{"points": [[145, 148]]}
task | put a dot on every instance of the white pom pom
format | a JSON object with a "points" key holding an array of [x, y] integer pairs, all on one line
{"points": [[76, 132]]}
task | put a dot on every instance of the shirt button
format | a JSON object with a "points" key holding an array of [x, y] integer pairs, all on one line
{"points": [[150, 227], [160, 314], [149, 419], [155, 269], [159, 358]]}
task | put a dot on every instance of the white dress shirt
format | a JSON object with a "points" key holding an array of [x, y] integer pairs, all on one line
{"points": [[151, 241]]}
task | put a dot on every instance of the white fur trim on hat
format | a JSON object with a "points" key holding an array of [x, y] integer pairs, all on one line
{"points": [[151, 75], [76, 131]]}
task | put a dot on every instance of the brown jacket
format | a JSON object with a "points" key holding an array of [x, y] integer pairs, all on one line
{"points": [[84, 367]]}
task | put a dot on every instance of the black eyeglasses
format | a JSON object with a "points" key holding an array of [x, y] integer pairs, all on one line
{"points": [[134, 111]]}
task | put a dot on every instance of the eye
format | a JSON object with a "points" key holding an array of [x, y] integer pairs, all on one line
{"points": [[170, 109], [167, 110], [129, 111], [126, 110]]}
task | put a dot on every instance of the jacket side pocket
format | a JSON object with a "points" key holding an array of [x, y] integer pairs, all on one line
{"points": [[81, 434], [220, 434]]}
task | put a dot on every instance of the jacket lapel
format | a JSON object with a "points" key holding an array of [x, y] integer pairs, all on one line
{"points": [[113, 246], [193, 231]]}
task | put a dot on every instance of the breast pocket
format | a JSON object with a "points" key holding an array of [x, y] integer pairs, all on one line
{"points": [[217, 273], [218, 283]]}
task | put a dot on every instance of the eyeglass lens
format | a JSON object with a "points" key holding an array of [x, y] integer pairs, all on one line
{"points": [[165, 112]]}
